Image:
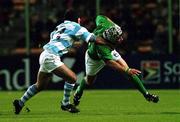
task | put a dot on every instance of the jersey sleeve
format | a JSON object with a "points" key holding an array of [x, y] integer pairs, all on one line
{"points": [[104, 52], [85, 35]]}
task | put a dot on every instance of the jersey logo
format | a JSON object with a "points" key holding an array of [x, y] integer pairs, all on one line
{"points": [[115, 54]]}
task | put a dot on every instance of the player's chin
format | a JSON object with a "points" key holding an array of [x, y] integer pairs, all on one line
{"points": [[119, 41]]}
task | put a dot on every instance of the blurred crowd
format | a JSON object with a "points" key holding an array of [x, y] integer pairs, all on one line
{"points": [[144, 22]]}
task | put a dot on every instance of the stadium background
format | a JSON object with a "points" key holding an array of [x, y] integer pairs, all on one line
{"points": [[151, 34], [152, 44]]}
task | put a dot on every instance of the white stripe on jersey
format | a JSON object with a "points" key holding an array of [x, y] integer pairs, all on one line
{"points": [[64, 36]]}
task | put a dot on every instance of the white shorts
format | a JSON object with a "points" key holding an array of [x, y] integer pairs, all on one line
{"points": [[94, 66], [48, 62]]}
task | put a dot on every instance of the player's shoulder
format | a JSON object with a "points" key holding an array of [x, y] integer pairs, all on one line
{"points": [[70, 25], [101, 19], [66, 22]]}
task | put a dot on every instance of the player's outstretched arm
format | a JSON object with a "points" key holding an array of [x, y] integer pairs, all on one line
{"points": [[115, 65], [121, 66]]}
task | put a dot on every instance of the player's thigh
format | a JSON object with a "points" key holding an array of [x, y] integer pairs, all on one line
{"points": [[64, 72], [51, 63], [93, 66], [43, 79]]}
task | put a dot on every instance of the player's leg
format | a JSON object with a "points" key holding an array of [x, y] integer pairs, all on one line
{"points": [[87, 81], [139, 83], [48, 62], [134, 78], [92, 68], [70, 77], [42, 81]]}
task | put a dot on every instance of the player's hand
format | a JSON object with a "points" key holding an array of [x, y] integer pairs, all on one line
{"points": [[133, 72]]}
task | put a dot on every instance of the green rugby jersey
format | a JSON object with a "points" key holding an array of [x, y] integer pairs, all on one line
{"points": [[100, 52]]}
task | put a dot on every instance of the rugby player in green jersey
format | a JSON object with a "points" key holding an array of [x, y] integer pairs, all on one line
{"points": [[97, 56]]}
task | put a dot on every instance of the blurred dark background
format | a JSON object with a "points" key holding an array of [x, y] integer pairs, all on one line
{"points": [[150, 28], [144, 22]]}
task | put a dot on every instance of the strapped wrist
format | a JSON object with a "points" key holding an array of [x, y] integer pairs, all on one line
{"points": [[127, 70]]}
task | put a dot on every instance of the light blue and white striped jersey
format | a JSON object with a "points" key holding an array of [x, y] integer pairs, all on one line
{"points": [[63, 37]]}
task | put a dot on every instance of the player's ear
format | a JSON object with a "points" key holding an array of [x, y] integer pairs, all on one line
{"points": [[79, 20]]}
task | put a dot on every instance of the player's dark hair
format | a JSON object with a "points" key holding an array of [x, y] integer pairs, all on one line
{"points": [[71, 15]]}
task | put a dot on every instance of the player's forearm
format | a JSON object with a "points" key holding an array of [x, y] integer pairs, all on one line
{"points": [[121, 66], [115, 65], [97, 40]]}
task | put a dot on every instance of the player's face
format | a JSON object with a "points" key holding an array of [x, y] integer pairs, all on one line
{"points": [[120, 39], [118, 42]]}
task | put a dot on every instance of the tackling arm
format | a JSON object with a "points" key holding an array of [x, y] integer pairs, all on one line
{"points": [[98, 40]]}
